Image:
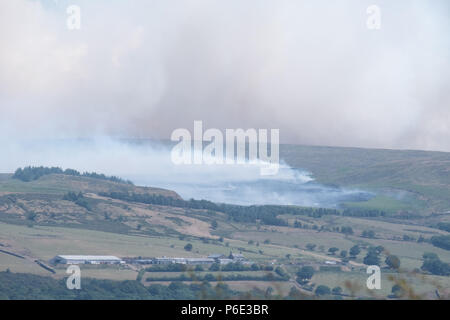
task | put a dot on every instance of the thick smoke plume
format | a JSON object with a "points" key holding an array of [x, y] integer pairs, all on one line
{"points": [[309, 68]]}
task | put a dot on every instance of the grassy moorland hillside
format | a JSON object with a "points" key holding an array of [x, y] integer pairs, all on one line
{"points": [[405, 180], [61, 183]]}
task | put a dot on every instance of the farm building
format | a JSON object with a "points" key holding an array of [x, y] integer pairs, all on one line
{"points": [[80, 259], [166, 260], [139, 261], [237, 256], [216, 256], [225, 261], [199, 261]]}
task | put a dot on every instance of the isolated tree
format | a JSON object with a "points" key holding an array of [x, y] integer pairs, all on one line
{"points": [[214, 267], [333, 250], [347, 230], [368, 234], [337, 290], [397, 291], [430, 256], [372, 259], [435, 266], [209, 277], [322, 290], [214, 224], [305, 274], [310, 246], [188, 247], [343, 254], [198, 268], [268, 293], [393, 262], [354, 251]]}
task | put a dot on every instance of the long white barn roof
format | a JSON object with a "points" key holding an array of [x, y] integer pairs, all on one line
{"points": [[74, 257]]}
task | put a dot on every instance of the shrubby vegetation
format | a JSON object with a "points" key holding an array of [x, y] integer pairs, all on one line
{"points": [[392, 262], [373, 256], [368, 234], [354, 251], [28, 174], [266, 214], [359, 212], [279, 275], [346, 230], [444, 226], [305, 274], [232, 266], [20, 286], [433, 265], [221, 277], [322, 290], [78, 199], [442, 242], [28, 286]]}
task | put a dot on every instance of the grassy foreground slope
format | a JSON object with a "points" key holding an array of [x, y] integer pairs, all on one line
{"points": [[409, 180]]}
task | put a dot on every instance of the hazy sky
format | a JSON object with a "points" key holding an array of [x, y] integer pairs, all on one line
{"points": [[310, 68]]}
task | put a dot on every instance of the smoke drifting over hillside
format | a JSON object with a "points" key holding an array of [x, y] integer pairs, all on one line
{"points": [[150, 165], [310, 68]]}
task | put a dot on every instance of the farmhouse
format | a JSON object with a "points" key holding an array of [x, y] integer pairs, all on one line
{"points": [[80, 259]]}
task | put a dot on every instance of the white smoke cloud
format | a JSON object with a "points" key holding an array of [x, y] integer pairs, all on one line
{"points": [[310, 68], [149, 164]]}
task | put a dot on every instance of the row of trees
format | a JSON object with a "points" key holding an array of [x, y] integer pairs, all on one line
{"points": [[372, 257], [434, 265], [222, 277], [233, 266], [266, 214], [444, 226], [19, 286], [442, 242], [29, 173]]}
